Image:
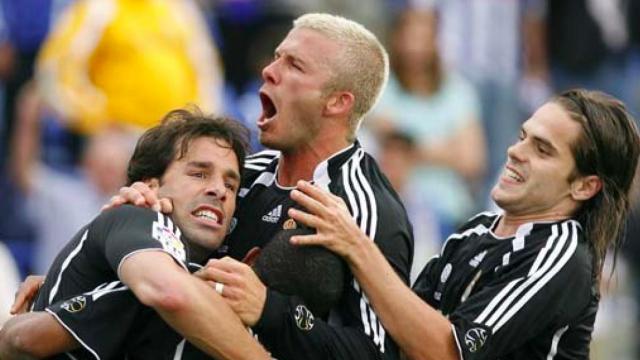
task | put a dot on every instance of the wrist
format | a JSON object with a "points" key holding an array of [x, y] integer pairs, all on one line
{"points": [[260, 310], [363, 250]]}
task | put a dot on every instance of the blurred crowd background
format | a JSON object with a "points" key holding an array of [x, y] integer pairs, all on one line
{"points": [[80, 80]]}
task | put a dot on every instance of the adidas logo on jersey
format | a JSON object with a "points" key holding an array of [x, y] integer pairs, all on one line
{"points": [[274, 215]]}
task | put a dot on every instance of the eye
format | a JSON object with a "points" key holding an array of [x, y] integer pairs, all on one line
{"points": [[198, 174], [522, 135], [295, 65], [230, 186], [543, 150]]}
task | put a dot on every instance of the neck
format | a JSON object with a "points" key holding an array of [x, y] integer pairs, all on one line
{"points": [[300, 163], [509, 224], [198, 254]]}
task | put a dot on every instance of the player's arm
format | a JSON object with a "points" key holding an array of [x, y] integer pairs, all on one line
{"points": [[34, 335], [189, 305], [421, 331]]}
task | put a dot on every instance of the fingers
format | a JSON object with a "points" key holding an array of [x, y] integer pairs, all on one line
{"points": [[142, 195], [226, 271], [306, 240], [139, 194], [305, 218], [114, 202], [211, 273], [322, 196], [230, 265], [26, 293], [166, 206], [310, 204]]}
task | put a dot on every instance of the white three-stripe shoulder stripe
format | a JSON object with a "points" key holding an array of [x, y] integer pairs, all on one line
{"points": [[558, 250], [364, 210], [480, 229], [362, 201], [259, 161]]}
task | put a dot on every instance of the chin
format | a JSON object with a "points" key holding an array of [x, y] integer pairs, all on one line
{"points": [[267, 142]]}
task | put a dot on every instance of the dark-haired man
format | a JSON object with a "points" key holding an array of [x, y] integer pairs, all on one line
{"points": [[524, 283], [106, 288]]}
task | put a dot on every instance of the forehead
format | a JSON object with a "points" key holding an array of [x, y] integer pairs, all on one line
{"points": [[552, 123], [209, 149], [309, 45]]}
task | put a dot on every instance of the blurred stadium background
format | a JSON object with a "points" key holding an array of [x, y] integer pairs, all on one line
{"points": [[80, 79]]}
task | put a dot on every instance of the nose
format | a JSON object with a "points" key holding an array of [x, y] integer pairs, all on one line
{"points": [[516, 151], [216, 189], [270, 74]]}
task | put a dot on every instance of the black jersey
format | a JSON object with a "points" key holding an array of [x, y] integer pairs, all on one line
{"points": [[84, 293], [352, 330], [530, 296]]}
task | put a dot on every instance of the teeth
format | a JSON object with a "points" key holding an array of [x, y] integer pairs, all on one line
{"points": [[207, 214], [512, 174]]}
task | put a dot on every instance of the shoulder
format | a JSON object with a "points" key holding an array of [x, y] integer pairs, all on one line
{"points": [[560, 252], [364, 187], [127, 212], [260, 160], [258, 163], [127, 218], [484, 220]]}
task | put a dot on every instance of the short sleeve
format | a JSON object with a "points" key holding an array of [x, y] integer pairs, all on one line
{"points": [[426, 282], [128, 230]]}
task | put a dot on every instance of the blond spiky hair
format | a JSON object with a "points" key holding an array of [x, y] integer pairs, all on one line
{"points": [[363, 66]]}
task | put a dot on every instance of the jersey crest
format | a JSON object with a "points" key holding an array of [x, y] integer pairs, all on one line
{"points": [[170, 240]]}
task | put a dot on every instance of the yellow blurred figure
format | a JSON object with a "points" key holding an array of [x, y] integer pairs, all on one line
{"points": [[128, 62]]}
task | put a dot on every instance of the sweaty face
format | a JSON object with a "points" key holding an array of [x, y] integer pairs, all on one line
{"points": [[203, 186], [293, 95], [535, 179]]}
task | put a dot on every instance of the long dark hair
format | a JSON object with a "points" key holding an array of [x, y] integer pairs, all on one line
{"points": [[433, 68], [170, 140], [608, 147]]}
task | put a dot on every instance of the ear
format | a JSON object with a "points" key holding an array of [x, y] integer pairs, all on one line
{"points": [[153, 183], [585, 187], [339, 104]]}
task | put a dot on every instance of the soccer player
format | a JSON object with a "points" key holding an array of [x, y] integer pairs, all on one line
{"points": [[106, 288], [326, 75], [521, 284]]}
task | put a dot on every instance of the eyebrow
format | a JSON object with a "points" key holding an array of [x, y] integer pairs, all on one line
{"points": [[296, 58], [209, 165]]}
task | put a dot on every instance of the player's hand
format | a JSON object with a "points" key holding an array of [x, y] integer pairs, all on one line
{"points": [[140, 194], [328, 214], [242, 289], [26, 294]]}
